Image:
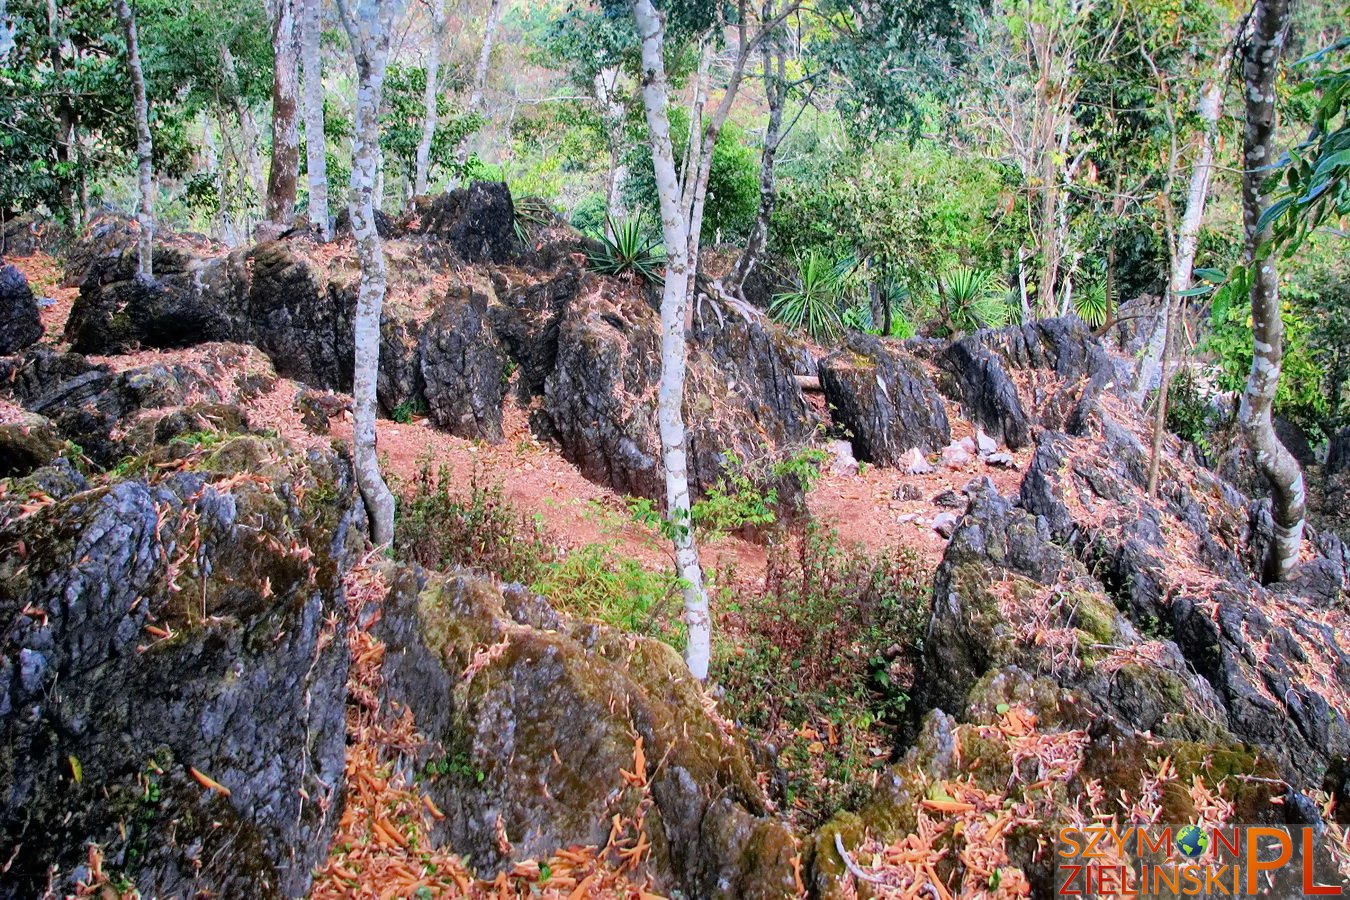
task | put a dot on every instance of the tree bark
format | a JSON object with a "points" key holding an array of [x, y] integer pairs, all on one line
{"points": [[369, 25], [775, 92], [675, 228], [316, 144], [6, 33], [431, 112], [612, 114], [1277, 464], [145, 174], [284, 173], [248, 125], [480, 72], [1188, 235]]}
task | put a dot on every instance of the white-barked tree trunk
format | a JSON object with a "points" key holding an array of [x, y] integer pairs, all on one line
{"points": [[369, 25], [316, 144], [145, 147], [1273, 460]]}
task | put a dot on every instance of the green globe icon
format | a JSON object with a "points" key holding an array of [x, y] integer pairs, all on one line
{"points": [[1192, 841]]}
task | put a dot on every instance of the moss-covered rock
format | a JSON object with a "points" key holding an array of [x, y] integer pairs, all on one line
{"points": [[544, 730], [172, 676]]}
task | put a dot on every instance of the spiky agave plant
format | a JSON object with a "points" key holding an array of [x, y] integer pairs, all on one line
{"points": [[1090, 304], [628, 252], [974, 299], [815, 305]]}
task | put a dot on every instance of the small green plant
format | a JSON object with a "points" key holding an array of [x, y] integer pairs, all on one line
{"points": [[972, 299], [443, 529], [814, 306], [408, 410], [595, 582], [629, 252], [1189, 415], [1090, 304]]}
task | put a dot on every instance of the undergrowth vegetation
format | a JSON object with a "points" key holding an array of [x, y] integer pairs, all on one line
{"points": [[815, 660], [820, 660]]}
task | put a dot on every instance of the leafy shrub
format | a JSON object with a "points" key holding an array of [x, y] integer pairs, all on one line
{"points": [[814, 306], [595, 582], [629, 252], [826, 646], [733, 180], [440, 528], [738, 500], [1189, 414], [589, 215]]}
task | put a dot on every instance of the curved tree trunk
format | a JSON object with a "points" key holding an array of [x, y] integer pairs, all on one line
{"points": [[316, 144], [670, 403], [430, 98], [285, 169], [145, 174], [369, 24], [480, 72], [1259, 70]]}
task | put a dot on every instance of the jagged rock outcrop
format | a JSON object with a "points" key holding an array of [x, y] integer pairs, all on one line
{"points": [[884, 400], [25, 235], [1271, 656], [527, 314], [190, 301], [91, 405], [1055, 357], [20, 324], [478, 223], [463, 367], [172, 671], [741, 397], [544, 729]]}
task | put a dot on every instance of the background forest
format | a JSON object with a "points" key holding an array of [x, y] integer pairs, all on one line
{"points": [[1011, 161]]}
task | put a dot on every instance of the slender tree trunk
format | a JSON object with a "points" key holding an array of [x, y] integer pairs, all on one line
{"points": [[316, 143], [775, 91], [65, 112], [284, 173], [145, 176], [369, 24], [480, 72], [430, 99], [612, 114], [1259, 69], [1188, 235], [675, 228], [248, 125], [6, 33]]}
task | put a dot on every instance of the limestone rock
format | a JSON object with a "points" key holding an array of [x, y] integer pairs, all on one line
{"points": [[885, 399], [103, 720], [913, 462], [20, 324]]}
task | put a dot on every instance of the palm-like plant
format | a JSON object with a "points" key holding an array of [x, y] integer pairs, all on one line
{"points": [[1090, 304], [628, 252], [974, 299], [815, 306]]}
